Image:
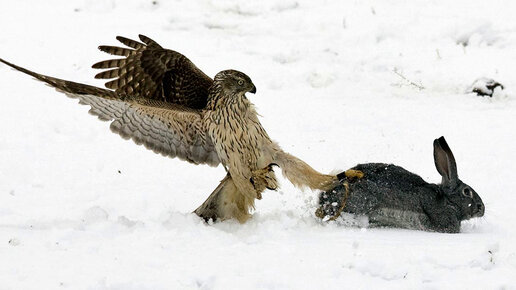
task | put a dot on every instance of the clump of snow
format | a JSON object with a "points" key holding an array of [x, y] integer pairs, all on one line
{"points": [[487, 87], [80, 208], [94, 215]]}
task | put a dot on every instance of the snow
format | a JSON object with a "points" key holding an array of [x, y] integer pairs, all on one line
{"points": [[339, 83]]}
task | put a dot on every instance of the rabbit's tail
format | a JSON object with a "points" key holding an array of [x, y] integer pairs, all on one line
{"points": [[301, 174]]}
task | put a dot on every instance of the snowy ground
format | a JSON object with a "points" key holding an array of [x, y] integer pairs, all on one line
{"points": [[80, 208]]}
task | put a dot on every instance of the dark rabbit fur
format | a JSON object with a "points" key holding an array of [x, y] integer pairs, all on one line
{"points": [[391, 196]]}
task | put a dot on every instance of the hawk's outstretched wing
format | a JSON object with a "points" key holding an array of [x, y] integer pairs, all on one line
{"points": [[152, 72], [169, 129]]}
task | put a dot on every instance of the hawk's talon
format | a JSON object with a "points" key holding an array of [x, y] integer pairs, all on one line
{"points": [[350, 174], [271, 165], [264, 179]]}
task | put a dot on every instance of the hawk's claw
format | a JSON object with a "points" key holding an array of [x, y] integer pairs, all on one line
{"points": [[264, 179], [350, 174]]}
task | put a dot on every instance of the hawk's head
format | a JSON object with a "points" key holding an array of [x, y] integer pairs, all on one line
{"points": [[235, 82]]}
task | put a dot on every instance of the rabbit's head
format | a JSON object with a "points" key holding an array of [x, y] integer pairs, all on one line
{"points": [[461, 195]]}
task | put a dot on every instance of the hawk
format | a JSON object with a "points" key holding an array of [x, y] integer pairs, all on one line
{"points": [[157, 97]]}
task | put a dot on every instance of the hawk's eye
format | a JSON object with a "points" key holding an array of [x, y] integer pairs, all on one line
{"points": [[467, 192], [240, 82]]}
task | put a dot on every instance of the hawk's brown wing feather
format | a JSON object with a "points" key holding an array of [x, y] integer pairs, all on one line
{"points": [[152, 72], [168, 129]]}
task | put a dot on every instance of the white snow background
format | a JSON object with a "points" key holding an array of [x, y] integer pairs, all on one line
{"points": [[81, 208]]}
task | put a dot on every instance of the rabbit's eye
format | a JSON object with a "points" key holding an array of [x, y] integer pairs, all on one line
{"points": [[467, 192]]}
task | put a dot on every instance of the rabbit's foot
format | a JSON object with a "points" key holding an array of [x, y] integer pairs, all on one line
{"points": [[264, 179]]}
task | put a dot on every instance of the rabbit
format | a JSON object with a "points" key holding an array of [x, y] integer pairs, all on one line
{"points": [[391, 196]]}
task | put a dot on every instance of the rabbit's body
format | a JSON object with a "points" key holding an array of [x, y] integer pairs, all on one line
{"points": [[391, 196], [394, 197]]}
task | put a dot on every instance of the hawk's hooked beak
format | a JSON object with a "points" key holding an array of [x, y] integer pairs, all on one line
{"points": [[253, 90]]}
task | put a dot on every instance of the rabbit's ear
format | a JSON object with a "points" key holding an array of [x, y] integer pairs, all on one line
{"points": [[445, 162]]}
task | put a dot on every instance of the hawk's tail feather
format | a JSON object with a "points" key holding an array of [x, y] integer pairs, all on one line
{"points": [[65, 86], [301, 174], [226, 202]]}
